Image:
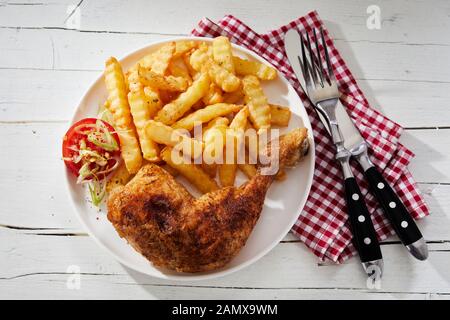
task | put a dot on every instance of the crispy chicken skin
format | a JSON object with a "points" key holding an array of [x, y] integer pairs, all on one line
{"points": [[172, 229]]}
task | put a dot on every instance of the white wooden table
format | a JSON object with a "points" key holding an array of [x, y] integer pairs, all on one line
{"points": [[45, 67]]}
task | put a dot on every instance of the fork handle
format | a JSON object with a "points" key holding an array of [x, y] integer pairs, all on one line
{"points": [[395, 210], [364, 236]]}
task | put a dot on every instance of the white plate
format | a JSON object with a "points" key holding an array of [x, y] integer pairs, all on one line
{"points": [[284, 201]]}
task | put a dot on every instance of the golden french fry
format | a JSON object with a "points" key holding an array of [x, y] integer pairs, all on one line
{"points": [[173, 111], [206, 115], [140, 110], [227, 174], [234, 97], [181, 47], [187, 62], [159, 60], [281, 175], [279, 115], [246, 67], [237, 126], [227, 171], [214, 138], [248, 169], [198, 105], [210, 169], [169, 169], [201, 61], [219, 121], [257, 103], [240, 120], [221, 48], [223, 78], [117, 96], [214, 95], [154, 101], [163, 134], [160, 82], [193, 173], [120, 177], [167, 96], [178, 68]]}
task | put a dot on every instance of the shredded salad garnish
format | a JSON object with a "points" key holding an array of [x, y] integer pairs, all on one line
{"points": [[91, 151]]}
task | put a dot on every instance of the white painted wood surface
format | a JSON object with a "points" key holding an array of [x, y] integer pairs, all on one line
{"points": [[404, 69]]}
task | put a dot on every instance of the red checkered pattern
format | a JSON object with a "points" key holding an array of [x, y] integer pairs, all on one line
{"points": [[323, 225]]}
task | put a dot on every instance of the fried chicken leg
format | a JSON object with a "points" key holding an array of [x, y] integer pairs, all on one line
{"points": [[172, 229]]}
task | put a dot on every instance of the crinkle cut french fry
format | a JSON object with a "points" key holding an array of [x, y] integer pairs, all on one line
{"points": [[181, 47], [234, 97], [117, 96], [159, 60], [248, 169], [222, 54], [214, 95], [210, 169], [240, 120], [214, 138], [163, 134], [140, 110], [279, 115], [206, 115], [227, 174], [227, 170], [120, 177], [173, 111], [246, 67], [169, 169], [201, 61], [187, 62], [157, 81], [178, 68], [154, 101], [257, 103], [193, 173]]}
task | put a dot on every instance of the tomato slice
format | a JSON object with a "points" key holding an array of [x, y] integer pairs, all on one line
{"points": [[79, 131]]}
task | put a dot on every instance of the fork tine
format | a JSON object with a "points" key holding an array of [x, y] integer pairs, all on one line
{"points": [[304, 62], [319, 59], [312, 57], [327, 57]]}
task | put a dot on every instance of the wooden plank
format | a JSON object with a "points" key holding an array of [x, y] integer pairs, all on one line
{"points": [[431, 161], [411, 104], [98, 287], [41, 95], [288, 267], [401, 20], [60, 49], [66, 49]]}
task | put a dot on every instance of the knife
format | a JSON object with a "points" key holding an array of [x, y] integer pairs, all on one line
{"points": [[393, 207], [398, 215]]}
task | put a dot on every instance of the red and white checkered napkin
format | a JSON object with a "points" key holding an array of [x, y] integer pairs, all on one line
{"points": [[323, 225]]}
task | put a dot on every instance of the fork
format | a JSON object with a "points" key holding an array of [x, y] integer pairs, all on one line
{"points": [[322, 89]]}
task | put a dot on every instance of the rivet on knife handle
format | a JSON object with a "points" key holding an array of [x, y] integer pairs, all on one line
{"points": [[398, 215]]}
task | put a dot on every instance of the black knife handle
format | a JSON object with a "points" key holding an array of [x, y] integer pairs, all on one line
{"points": [[364, 236], [395, 210]]}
